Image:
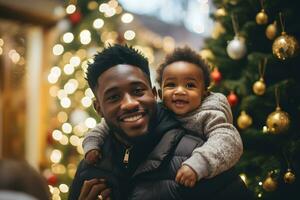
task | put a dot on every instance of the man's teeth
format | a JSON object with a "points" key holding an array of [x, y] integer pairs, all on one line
{"points": [[133, 118]]}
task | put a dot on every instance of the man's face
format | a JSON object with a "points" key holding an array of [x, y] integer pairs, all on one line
{"points": [[125, 99]]}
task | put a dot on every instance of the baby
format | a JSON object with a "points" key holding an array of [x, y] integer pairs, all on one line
{"points": [[184, 78]]}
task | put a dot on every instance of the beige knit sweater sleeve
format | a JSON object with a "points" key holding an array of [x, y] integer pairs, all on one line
{"points": [[223, 148]]}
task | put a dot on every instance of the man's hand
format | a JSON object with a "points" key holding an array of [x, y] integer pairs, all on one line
{"points": [[95, 189], [186, 176], [92, 156]]}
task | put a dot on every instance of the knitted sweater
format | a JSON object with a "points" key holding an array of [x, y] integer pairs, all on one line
{"points": [[212, 121]]}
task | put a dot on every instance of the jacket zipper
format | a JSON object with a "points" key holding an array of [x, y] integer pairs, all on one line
{"points": [[126, 156]]}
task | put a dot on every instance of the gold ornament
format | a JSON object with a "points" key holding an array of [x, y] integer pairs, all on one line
{"points": [[289, 176], [220, 12], [271, 31], [269, 184], [259, 87], [285, 46], [244, 120], [278, 121], [261, 17]]}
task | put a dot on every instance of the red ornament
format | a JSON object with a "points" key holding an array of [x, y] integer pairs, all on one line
{"points": [[50, 140], [75, 17], [232, 99], [216, 75], [52, 180]]}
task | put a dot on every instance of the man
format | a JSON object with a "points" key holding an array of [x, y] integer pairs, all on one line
{"points": [[146, 146]]}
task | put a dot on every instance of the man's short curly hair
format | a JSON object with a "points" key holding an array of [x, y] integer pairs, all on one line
{"points": [[185, 54], [114, 55]]}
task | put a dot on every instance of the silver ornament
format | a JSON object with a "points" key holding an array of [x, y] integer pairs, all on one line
{"points": [[236, 48]]}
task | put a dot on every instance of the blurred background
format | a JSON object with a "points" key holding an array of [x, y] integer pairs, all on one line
{"points": [[252, 47]]}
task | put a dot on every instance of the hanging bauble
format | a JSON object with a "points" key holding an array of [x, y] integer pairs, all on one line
{"points": [[220, 12], [232, 99], [278, 121], [289, 176], [52, 180], [216, 75], [285, 46], [269, 184], [244, 120], [259, 87], [271, 31], [75, 17], [236, 48], [207, 54], [261, 17]]}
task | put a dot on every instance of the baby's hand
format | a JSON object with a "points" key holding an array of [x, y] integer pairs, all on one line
{"points": [[186, 176], [92, 156]]}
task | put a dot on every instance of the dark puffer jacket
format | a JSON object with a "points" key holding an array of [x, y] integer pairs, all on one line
{"points": [[153, 177]]}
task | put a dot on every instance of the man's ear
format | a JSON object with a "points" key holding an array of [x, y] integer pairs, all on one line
{"points": [[97, 107]]}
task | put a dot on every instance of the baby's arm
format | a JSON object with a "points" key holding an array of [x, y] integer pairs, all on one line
{"points": [[93, 140], [223, 147]]}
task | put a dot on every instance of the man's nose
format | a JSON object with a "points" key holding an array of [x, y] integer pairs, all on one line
{"points": [[129, 103], [180, 91]]}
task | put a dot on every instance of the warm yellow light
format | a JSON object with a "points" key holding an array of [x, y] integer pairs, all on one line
{"points": [[103, 7], [71, 170], [90, 122], [1, 42], [86, 101], [55, 191], [127, 18], [71, 86], [56, 71], [68, 37], [14, 56], [75, 61], [1, 51], [62, 116], [74, 140], [85, 36], [80, 129], [58, 169], [79, 148], [58, 49], [244, 178], [168, 44], [89, 93], [110, 12], [65, 102], [57, 135], [56, 197], [61, 94], [98, 23], [259, 195], [63, 188], [260, 183], [129, 35], [52, 78], [64, 140], [81, 53], [70, 9], [69, 69], [92, 5], [66, 128], [56, 156], [53, 90]]}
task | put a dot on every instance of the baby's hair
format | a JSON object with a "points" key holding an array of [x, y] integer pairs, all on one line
{"points": [[185, 54]]}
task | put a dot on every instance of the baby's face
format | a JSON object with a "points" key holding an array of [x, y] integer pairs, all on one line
{"points": [[182, 87]]}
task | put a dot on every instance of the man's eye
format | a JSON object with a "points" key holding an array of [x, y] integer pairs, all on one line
{"points": [[190, 85], [139, 91], [113, 98]]}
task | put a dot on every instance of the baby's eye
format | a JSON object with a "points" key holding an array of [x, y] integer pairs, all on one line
{"points": [[170, 85], [190, 85]]}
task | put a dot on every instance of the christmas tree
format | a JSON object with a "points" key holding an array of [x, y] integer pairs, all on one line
{"points": [[253, 52], [88, 27]]}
